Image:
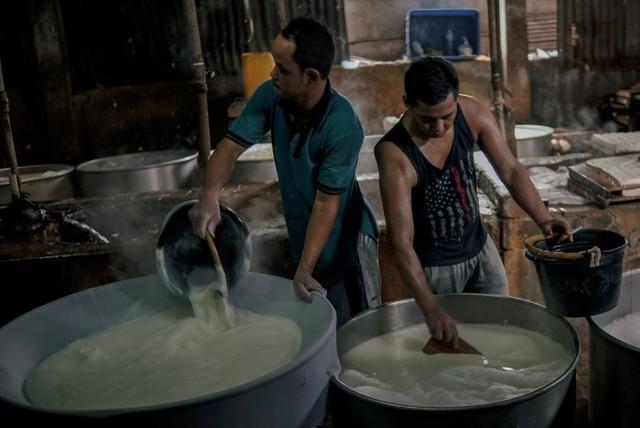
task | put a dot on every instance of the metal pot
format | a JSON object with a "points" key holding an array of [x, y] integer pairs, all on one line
{"points": [[138, 172], [179, 250], [256, 165], [48, 182], [293, 396], [552, 405], [614, 365], [533, 141]]}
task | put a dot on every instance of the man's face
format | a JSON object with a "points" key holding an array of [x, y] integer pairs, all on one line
{"points": [[434, 120], [289, 81]]}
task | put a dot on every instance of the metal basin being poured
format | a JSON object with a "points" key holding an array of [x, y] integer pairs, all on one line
{"points": [[293, 396], [179, 250]]}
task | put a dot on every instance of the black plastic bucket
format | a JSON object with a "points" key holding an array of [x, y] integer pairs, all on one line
{"points": [[579, 278]]}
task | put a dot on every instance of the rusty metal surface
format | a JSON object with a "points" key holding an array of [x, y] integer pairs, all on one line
{"points": [[128, 222], [144, 41], [600, 33]]}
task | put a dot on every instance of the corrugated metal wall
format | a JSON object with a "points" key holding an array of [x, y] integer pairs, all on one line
{"points": [[127, 42], [601, 34], [230, 27], [542, 31]]}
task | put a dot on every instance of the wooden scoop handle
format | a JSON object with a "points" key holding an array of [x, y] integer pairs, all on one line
{"points": [[213, 249]]}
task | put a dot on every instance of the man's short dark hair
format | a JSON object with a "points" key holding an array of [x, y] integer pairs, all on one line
{"points": [[314, 44], [430, 79]]}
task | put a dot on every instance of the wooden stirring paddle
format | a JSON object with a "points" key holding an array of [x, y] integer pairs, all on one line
{"points": [[214, 250], [434, 346]]}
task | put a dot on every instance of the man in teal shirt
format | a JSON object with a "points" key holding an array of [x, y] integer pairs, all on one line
{"points": [[316, 137]]}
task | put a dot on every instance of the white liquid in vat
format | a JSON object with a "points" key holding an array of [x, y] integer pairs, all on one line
{"points": [[393, 368], [625, 328], [166, 357]]}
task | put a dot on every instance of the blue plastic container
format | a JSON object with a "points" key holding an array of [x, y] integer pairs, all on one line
{"points": [[443, 32]]}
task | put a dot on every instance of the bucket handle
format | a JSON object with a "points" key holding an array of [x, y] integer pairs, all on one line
{"points": [[593, 254]]}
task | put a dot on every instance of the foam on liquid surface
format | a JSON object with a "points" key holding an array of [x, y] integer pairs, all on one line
{"points": [[625, 328]]}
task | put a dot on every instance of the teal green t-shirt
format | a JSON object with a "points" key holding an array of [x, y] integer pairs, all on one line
{"points": [[322, 155]]}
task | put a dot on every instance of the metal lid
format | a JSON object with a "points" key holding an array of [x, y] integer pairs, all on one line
{"points": [[179, 250]]}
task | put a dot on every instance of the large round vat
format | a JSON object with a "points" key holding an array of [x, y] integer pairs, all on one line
{"points": [[138, 172], [293, 396], [552, 405], [256, 165], [614, 364], [48, 182]]}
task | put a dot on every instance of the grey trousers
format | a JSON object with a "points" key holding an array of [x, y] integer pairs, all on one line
{"points": [[483, 273]]}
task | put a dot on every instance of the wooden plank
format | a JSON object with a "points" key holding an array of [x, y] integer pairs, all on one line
{"points": [[623, 171], [618, 143], [578, 188], [581, 190], [588, 179], [596, 187]]}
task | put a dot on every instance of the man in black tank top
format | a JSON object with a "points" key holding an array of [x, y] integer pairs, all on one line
{"points": [[429, 194]]}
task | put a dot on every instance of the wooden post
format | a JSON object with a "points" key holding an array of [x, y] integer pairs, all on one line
{"points": [[494, 52], [14, 178], [497, 73], [200, 78], [53, 66]]}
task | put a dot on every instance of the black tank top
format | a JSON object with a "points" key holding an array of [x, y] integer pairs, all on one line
{"points": [[447, 224]]}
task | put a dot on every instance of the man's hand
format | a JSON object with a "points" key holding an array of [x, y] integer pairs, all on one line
{"points": [[205, 214], [557, 226], [304, 283], [442, 326]]}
